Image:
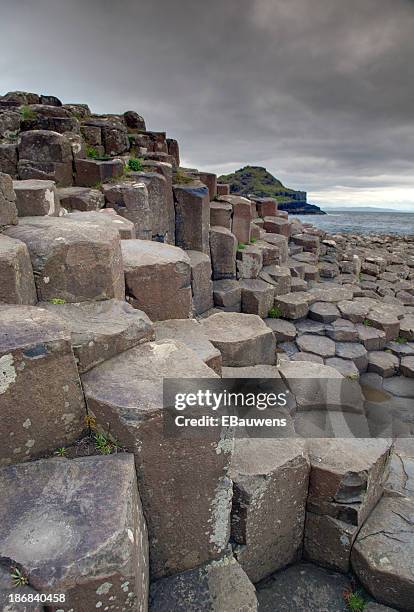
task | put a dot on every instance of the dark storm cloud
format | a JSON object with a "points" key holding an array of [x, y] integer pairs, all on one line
{"points": [[319, 91]]}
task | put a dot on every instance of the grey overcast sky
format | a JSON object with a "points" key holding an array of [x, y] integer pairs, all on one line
{"points": [[318, 91]]}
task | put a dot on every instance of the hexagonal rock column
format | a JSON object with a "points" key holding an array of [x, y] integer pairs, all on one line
{"points": [[241, 219], [184, 487], [279, 277], [277, 225], [84, 536], [107, 217], [257, 297], [101, 330], [214, 587], [249, 262], [45, 155], [92, 172], [190, 332], [223, 189], [227, 295], [34, 198], [242, 339], [293, 305], [72, 260], [266, 207], [41, 400], [223, 248], [161, 203], [158, 279], [346, 482], [383, 552], [130, 200], [17, 281], [270, 484], [220, 214], [201, 283], [192, 217], [80, 198], [8, 158], [8, 210]]}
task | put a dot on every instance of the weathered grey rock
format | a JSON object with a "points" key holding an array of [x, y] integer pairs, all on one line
{"points": [[223, 247], [373, 339], [215, 587], [80, 198], [331, 293], [324, 312], [242, 339], [227, 295], [382, 363], [101, 330], [347, 477], [383, 551], [293, 305], [354, 352], [249, 262], [220, 214], [280, 242], [270, 252], [161, 203], [190, 333], [407, 367], [35, 198], [277, 225], [257, 297], [400, 386], [93, 172], [192, 217], [308, 326], [321, 388], [223, 189], [62, 546], [319, 345], [258, 371], [107, 217], [342, 330], [44, 146], [345, 366], [270, 481], [58, 172], [72, 260], [17, 281], [41, 399], [8, 210], [407, 327], [284, 331], [8, 158], [328, 541], [279, 276], [201, 283], [303, 586], [303, 356], [130, 200], [184, 488], [158, 279], [386, 321]]}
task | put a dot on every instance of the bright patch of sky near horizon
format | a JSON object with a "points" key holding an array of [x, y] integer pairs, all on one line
{"points": [[320, 92]]}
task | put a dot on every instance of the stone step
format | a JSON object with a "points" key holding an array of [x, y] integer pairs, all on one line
{"points": [[72, 260], [242, 339], [184, 487], [223, 247], [8, 210], [17, 281], [201, 283], [36, 198], [257, 297], [158, 279], [219, 586], [82, 199], [107, 217], [270, 485], [227, 295], [42, 403], [101, 330], [84, 536], [190, 333], [383, 552], [192, 217]]}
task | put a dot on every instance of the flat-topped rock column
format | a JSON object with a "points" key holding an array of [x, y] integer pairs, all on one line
{"points": [[34, 197], [158, 279], [192, 217], [17, 281]]}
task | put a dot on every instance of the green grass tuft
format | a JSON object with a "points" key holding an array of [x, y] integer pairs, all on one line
{"points": [[57, 301], [135, 164], [274, 313]]}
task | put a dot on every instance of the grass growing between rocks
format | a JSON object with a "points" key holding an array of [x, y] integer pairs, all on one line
{"points": [[354, 601], [135, 164], [400, 340], [27, 113], [367, 323], [61, 451], [241, 246], [57, 301], [18, 578], [180, 178], [274, 313]]}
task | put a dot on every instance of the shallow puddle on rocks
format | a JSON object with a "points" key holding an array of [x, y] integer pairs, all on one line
{"points": [[374, 395]]}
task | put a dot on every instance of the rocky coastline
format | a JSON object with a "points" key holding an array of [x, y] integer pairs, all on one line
{"points": [[120, 268]]}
